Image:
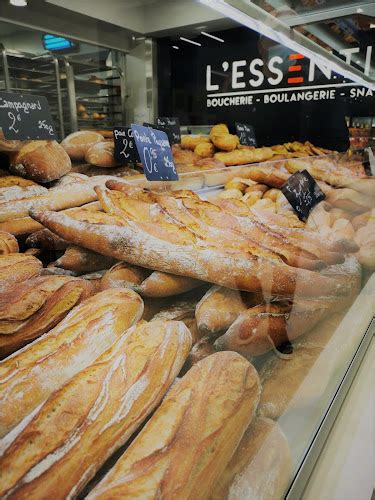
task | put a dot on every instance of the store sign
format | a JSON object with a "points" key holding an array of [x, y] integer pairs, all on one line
{"points": [[125, 148], [247, 82], [303, 193], [25, 117], [172, 127], [155, 153], [246, 134]]}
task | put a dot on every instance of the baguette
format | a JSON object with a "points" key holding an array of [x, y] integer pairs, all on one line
{"points": [[73, 433], [201, 349], [8, 243], [160, 284], [81, 261], [16, 188], [123, 275], [41, 305], [350, 200], [244, 156], [40, 161], [186, 445], [78, 143], [261, 467], [176, 250], [180, 311], [30, 375], [46, 240], [16, 268]]}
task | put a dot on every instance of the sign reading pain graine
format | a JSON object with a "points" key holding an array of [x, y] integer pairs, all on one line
{"points": [[25, 117]]}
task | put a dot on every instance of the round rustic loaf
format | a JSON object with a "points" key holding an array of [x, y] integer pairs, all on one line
{"points": [[78, 143]]}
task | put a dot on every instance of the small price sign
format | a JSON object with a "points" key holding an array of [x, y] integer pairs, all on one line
{"points": [[125, 148], [155, 153], [303, 193], [170, 125], [246, 134], [25, 117]]}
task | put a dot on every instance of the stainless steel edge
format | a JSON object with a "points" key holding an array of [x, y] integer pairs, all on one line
{"points": [[316, 446], [59, 97], [71, 96], [366, 9], [151, 79], [6, 70]]}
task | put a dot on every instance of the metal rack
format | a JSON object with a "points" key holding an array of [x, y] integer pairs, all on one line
{"points": [[102, 93], [30, 74]]}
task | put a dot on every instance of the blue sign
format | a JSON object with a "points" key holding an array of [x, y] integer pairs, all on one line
{"points": [[155, 153]]}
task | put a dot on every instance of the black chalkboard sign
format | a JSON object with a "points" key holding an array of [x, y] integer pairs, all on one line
{"points": [[25, 117], [246, 134], [170, 125], [125, 148], [155, 153], [303, 193]]}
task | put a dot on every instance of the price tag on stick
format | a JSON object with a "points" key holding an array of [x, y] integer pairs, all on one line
{"points": [[170, 125], [125, 148], [303, 193], [155, 153], [25, 117], [246, 134]]}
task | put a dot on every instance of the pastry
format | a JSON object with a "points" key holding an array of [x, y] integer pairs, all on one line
{"points": [[225, 142], [191, 141], [31, 375], [40, 161], [78, 143], [208, 409], [205, 150]]}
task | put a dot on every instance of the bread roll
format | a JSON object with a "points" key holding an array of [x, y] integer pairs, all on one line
{"points": [[29, 376], [260, 468], [16, 268], [184, 448], [78, 143], [40, 161], [27, 313], [218, 308], [73, 433], [102, 155], [8, 243]]}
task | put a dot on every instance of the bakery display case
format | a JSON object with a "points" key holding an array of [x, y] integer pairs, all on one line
{"points": [[195, 337]]}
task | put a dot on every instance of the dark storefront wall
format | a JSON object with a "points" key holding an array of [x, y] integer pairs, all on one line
{"points": [[184, 91]]}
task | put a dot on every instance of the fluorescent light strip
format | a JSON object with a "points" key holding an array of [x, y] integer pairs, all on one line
{"points": [[213, 37], [242, 18], [190, 41], [175, 47]]}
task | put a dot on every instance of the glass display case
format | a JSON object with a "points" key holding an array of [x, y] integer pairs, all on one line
{"points": [[186, 267]]}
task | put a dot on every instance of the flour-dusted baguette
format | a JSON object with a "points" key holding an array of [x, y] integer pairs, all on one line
{"points": [[184, 448], [351, 200], [8, 243], [16, 268], [78, 143], [40, 161], [218, 308], [29, 311], [176, 250], [261, 467], [16, 188], [30, 375], [91, 416]]}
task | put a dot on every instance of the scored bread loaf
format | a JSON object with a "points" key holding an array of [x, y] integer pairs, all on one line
{"points": [[73, 433], [30, 375], [78, 143], [186, 445], [40, 161], [29, 311], [102, 155], [18, 267], [260, 468]]}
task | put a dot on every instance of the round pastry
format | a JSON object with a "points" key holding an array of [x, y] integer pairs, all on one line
{"points": [[40, 161], [78, 143]]}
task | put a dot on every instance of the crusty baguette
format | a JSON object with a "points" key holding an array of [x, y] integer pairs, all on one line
{"points": [[30, 375], [59, 198], [16, 268], [184, 448], [123, 275], [40, 161], [261, 467], [180, 311], [8, 243], [20, 227], [160, 284], [83, 261], [218, 308], [16, 188], [351, 200], [200, 350], [93, 414], [177, 251], [244, 156], [46, 239], [47, 300]]}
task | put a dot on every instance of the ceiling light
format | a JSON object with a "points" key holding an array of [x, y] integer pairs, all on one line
{"points": [[199, 28], [18, 3], [213, 37], [359, 11], [190, 41], [175, 47], [372, 26]]}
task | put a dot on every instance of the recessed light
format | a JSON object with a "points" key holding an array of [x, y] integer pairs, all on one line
{"points": [[18, 3], [359, 10], [190, 41], [175, 47], [213, 37]]}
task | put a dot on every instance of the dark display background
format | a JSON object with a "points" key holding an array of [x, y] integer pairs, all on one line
{"points": [[182, 92]]}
